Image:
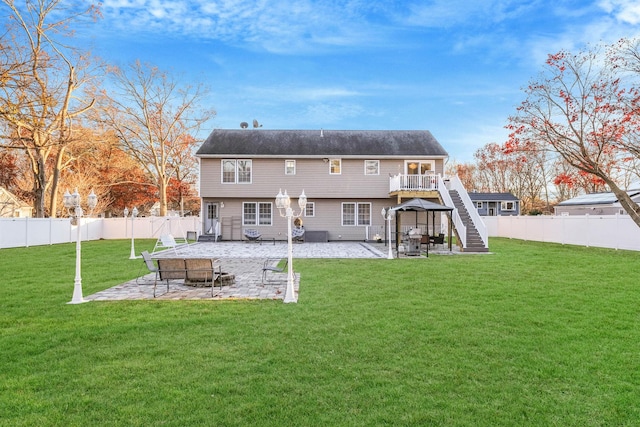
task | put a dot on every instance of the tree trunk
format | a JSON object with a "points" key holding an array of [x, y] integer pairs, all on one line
{"points": [[163, 197], [39, 184], [625, 200], [55, 180]]}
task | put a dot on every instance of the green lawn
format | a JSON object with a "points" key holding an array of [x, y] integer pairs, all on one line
{"points": [[534, 334]]}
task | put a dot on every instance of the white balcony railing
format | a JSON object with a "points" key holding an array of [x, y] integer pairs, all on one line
{"points": [[402, 182]]}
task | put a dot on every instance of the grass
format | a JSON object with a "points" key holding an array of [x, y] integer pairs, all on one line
{"points": [[535, 334]]}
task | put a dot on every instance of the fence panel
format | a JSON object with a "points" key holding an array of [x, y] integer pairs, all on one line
{"points": [[24, 232], [606, 231]]}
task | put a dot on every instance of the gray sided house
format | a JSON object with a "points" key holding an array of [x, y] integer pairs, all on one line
{"points": [[595, 204], [495, 204], [347, 176]]}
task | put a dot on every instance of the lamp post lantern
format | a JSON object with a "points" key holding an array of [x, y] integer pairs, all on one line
{"points": [[283, 203], [134, 213], [388, 214], [72, 204]]}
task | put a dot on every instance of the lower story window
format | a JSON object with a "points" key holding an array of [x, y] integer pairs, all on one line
{"points": [[256, 213], [310, 209], [356, 213]]}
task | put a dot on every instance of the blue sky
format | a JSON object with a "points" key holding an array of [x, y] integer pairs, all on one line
{"points": [[454, 67]]}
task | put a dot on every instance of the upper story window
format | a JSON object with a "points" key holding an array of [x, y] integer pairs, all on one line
{"points": [[236, 171], [420, 167], [508, 206], [289, 167], [372, 167], [335, 166]]}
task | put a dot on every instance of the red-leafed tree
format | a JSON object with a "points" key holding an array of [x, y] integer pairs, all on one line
{"points": [[579, 108], [467, 173], [500, 168]]}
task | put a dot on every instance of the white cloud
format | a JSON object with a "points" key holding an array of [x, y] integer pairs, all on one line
{"points": [[449, 13], [627, 11], [276, 25]]}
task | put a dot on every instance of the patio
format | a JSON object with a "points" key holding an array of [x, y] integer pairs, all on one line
{"points": [[244, 261]]}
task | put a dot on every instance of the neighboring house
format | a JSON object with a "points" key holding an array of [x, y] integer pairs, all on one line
{"points": [[595, 204], [12, 207], [347, 176], [495, 204]]}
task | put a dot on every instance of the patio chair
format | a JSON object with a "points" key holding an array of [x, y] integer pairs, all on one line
{"points": [[437, 240], [271, 269], [151, 266], [297, 234], [203, 270], [253, 235], [169, 269], [425, 240]]}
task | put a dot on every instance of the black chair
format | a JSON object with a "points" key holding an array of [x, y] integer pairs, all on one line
{"points": [[437, 240]]}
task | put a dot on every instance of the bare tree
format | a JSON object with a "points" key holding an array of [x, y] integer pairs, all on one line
{"points": [[40, 85], [153, 116]]}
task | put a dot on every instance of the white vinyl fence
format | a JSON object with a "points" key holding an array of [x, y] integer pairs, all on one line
{"points": [[24, 232], [605, 231]]}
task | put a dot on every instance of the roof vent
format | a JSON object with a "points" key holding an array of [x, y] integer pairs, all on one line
{"points": [[321, 133]]}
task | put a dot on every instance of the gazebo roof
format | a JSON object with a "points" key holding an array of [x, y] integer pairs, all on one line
{"points": [[420, 205]]}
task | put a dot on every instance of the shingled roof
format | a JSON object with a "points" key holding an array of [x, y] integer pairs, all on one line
{"points": [[319, 143], [492, 197]]}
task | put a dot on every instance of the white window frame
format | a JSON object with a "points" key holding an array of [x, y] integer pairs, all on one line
{"points": [[266, 217], [222, 171], [258, 219], [420, 165], [355, 213], [310, 210], [289, 167], [505, 205], [357, 221], [237, 173], [338, 163], [478, 205], [372, 164]]}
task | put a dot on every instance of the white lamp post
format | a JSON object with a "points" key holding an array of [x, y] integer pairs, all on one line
{"points": [[134, 213], [388, 215], [283, 203], [72, 204]]}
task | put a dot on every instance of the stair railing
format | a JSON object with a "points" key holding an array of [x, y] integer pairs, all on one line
{"points": [[455, 216], [456, 185]]}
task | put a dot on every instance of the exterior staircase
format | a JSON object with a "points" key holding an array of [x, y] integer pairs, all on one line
{"points": [[474, 240]]}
